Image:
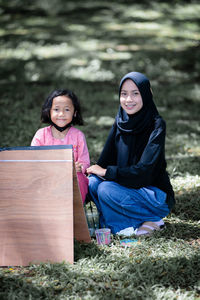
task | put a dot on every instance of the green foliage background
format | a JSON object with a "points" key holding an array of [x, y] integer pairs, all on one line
{"points": [[87, 46]]}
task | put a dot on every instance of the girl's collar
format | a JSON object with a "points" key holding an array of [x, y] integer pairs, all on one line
{"points": [[58, 135], [61, 129]]}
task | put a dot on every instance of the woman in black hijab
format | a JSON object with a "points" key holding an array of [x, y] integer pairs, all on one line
{"points": [[130, 185]]}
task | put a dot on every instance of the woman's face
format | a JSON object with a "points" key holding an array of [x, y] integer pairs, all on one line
{"points": [[130, 97]]}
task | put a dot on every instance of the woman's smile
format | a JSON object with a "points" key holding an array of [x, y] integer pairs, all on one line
{"points": [[130, 106], [130, 97]]}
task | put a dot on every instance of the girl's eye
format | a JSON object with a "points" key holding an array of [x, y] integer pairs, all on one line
{"points": [[67, 109], [123, 94]]}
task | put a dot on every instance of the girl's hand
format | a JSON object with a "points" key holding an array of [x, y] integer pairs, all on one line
{"points": [[96, 169], [78, 166]]}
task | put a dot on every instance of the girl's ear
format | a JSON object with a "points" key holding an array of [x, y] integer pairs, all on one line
{"points": [[75, 114]]}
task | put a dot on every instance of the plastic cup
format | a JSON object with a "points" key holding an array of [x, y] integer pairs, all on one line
{"points": [[103, 236], [93, 222], [92, 219]]}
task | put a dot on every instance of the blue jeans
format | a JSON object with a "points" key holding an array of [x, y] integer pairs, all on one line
{"points": [[121, 207]]}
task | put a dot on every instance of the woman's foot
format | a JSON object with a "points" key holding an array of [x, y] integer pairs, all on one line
{"points": [[147, 228]]}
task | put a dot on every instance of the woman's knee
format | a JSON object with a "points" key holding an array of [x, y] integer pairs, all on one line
{"points": [[105, 189], [93, 183]]}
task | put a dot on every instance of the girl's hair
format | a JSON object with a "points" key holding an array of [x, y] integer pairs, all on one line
{"points": [[45, 113]]}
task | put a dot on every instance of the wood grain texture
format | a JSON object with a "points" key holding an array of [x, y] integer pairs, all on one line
{"points": [[36, 207], [81, 232]]}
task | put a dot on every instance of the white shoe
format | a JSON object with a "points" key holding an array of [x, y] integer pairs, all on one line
{"points": [[126, 232]]}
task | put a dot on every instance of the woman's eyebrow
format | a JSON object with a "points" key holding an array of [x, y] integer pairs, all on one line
{"points": [[58, 105], [131, 90]]}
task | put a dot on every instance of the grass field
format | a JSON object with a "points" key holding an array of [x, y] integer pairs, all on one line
{"points": [[87, 46]]}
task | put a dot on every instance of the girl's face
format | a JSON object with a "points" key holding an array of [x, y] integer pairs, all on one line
{"points": [[62, 111], [130, 97]]}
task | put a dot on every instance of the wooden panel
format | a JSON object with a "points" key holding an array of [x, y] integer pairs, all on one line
{"points": [[36, 207], [54, 154], [81, 232]]}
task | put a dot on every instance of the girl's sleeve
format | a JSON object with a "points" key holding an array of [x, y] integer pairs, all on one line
{"points": [[83, 153], [142, 173], [38, 139]]}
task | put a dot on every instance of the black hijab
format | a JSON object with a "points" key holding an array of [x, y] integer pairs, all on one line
{"points": [[141, 120], [133, 131]]}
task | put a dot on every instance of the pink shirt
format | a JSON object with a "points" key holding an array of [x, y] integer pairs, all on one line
{"points": [[74, 137]]}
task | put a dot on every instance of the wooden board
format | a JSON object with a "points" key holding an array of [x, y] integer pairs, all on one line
{"points": [[36, 206], [81, 232]]}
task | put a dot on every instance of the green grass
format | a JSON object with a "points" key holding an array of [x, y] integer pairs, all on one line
{"points": [[88, 46], [161, 267]]}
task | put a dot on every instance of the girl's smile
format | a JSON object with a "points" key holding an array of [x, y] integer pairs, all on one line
{"points": [[130, 97], [62, 111]]}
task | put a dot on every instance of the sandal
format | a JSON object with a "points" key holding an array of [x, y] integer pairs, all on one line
{"points": [[147, 228]]}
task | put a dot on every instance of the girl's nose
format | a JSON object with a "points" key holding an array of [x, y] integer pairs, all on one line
{"points": [[61, 113]]}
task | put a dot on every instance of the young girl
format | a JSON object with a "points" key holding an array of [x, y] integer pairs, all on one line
{"points": [[136, 192], [62, 110]]}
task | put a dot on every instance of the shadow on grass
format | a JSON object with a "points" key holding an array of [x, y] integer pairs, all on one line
{"points": [[17, 287], [187, 205], [109, 277], [91, 250], [180, 166], [181, 230]]}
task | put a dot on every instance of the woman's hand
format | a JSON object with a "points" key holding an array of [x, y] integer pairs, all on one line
{"points": [[78, 166], [97, 170]]}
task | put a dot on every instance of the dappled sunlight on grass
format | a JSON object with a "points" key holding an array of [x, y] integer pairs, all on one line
{"points": [[102, 121], [194, 150], [105, 121], [91, 72], [27, 50], [87, 46], [112, 55], [187, 11], [138, 12], [161, 31], [187, 182]]}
